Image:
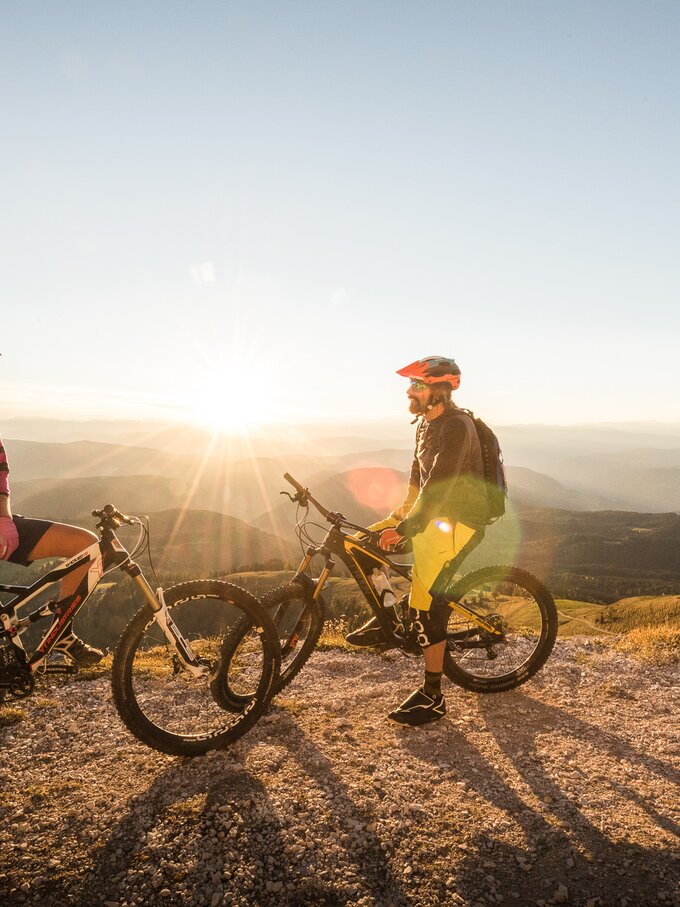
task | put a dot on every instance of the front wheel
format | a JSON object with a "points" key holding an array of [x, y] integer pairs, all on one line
{"points": [[161, 702], [521, 611]]}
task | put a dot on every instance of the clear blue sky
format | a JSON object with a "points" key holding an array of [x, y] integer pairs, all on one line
{"points": [[316, 193]]}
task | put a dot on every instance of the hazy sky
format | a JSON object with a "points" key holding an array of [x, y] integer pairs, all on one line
{"points": [[270, 207]]}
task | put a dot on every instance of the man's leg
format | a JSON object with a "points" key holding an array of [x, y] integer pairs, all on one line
{"points": [[433, 549]]}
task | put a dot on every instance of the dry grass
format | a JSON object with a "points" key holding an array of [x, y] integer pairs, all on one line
{"points": [[93, 671], [44, 702], [642, 612], [11, 714], [333, 636], [657, 645]]}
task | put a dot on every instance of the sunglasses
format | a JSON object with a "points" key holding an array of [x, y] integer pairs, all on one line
{"points": [[418, 385]]}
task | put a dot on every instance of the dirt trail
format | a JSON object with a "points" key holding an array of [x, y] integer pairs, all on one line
{"points": [[564, 791]]}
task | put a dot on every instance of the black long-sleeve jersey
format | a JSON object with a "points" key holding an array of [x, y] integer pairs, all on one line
{"points": [[447, 475]]}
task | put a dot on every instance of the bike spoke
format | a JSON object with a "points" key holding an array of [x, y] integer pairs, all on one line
{"points": [[172, 708], [510, 609]]}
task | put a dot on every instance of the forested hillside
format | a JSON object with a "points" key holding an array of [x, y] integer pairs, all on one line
{"points": [[600, 556]]}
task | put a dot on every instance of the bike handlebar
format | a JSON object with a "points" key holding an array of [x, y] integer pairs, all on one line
{"points": [[111, 515], [294, 482], [305, 495]]}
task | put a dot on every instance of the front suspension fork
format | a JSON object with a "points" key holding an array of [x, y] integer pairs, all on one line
{"points": [[320, 581], [170, 630]]}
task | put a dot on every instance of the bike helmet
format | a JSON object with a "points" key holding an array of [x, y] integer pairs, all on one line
{"points": [[433, 370]]}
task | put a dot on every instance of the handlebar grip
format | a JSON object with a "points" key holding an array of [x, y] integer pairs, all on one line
{"points": [[294, 482], [305, 492], [109, 512]]}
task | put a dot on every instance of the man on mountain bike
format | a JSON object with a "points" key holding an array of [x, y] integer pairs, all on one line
{"points": [[444, 515], [24, 540]]}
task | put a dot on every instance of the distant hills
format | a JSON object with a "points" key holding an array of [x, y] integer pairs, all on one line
{"points": [[72, 500], [529, 488], [591, 508], [632, 481], [593, 556], [43, 460], [203, 543], [572, 467]]}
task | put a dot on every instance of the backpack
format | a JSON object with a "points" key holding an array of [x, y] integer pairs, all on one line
{"points": [[494, 470]]}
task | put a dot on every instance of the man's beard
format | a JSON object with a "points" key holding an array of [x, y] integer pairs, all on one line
{"points": [[415, 407]]}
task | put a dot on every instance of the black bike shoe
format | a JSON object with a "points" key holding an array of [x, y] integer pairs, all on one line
{"points": [[420, 708], [78, 651]]}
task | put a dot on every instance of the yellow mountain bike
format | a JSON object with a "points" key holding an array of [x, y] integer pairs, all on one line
{"points": [[501, 630]]}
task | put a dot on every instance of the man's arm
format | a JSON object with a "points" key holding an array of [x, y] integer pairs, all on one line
{"points": [[413, 488]]}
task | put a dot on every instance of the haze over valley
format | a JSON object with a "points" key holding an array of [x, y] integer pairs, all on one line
{"points": [[592, 509]]}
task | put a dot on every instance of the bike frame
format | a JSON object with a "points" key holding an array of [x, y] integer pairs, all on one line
{"points": [[102, 556], [361, 559]]}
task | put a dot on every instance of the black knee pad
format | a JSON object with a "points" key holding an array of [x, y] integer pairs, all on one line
{"points": [[431, 625]]}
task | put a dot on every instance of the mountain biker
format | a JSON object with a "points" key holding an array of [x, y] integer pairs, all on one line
{"points": [[23, 540], [444, 515]]}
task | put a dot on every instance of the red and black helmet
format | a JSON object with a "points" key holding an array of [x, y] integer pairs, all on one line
{"points": [[433, 370]]}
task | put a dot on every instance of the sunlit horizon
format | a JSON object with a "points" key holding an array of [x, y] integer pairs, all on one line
{"points": [[83, 406]]}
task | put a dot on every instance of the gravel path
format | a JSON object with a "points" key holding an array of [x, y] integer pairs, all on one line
{"points": [[564, 791]]}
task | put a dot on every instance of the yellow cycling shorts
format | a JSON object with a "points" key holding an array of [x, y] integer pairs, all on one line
{"points": [[439, 543]]}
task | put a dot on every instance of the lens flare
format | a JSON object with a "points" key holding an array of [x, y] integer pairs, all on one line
{"points": [[376, 487]]}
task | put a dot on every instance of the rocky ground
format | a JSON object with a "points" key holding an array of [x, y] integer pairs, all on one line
{"points": [[563, 791]]}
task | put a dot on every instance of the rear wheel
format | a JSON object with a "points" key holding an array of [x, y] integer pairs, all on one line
{"points": [[298, 619], [167, 707], [521, 611]]}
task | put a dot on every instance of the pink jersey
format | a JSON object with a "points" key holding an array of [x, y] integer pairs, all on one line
{"points": [[4, 471]]}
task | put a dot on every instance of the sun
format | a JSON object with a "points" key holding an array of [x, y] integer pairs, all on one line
{"points": [[222, 410], [227, 399]]}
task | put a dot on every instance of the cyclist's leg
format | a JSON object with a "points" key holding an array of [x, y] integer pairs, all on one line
{"points": [[62, 540], [433, 549], [442, 545], [439, 544]]}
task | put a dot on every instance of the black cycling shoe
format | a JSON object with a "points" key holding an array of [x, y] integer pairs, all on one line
{"points": [[420, 708], [78, 651]]}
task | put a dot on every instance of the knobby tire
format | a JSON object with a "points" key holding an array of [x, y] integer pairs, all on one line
{"points": [[214, 600], [454, 667]]}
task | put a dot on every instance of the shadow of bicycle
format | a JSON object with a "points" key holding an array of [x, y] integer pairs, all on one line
{"points": [[228, 834]]}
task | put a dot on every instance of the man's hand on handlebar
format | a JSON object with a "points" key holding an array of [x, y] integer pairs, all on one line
{"points": [[389, 538]]}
